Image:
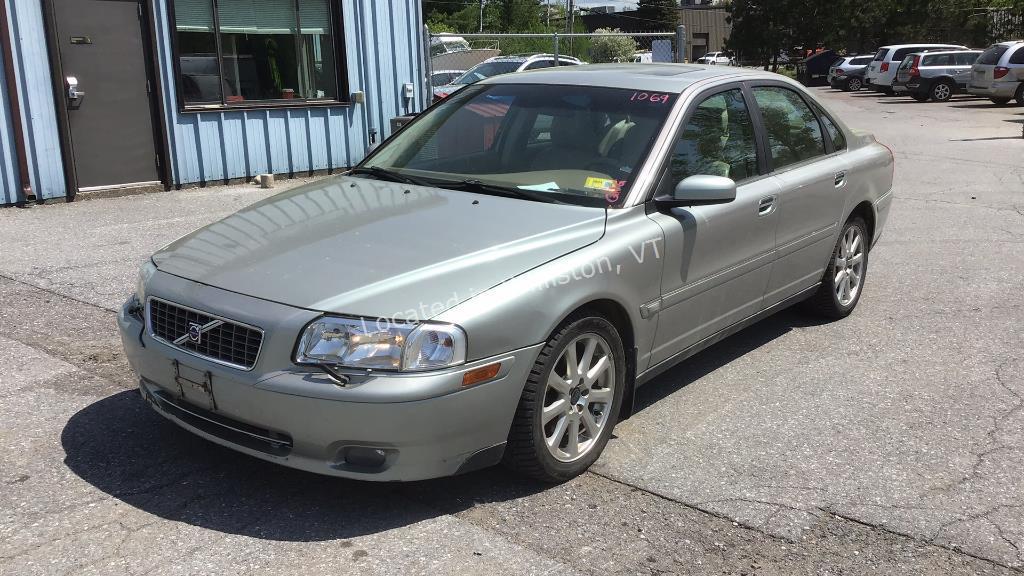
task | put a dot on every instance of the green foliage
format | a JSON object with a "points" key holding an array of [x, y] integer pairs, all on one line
{"points": [[763, 28], [664, 12], [611, 48]]}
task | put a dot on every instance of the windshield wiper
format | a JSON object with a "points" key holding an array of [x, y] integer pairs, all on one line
{"points": [[471, 185], [389, 175]]}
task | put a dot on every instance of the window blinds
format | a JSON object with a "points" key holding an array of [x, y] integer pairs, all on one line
{"points": [[253, 16]]}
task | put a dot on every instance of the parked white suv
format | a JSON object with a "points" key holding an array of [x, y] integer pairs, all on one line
{"points": [[998, 74], [881, 73], [720, 58]]}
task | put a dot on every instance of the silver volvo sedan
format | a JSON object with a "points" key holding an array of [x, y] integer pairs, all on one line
{"points": [[494, 281]]}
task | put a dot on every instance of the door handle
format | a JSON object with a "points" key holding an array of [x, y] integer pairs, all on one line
{"points": [[840, 179], [765, 205], [73, 92]]}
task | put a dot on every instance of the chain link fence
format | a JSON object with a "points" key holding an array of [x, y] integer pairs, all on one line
{"points": [[455, 60]]}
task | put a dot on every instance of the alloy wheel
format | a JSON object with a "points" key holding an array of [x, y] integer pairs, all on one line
{"points": [[941, 92], [849, 266], [854, 85], [578, 397]]}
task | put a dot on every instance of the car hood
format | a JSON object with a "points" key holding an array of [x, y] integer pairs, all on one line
{"points": [[379, 249]]}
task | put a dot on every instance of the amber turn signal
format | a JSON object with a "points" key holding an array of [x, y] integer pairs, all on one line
{"points": [[478, 375]]}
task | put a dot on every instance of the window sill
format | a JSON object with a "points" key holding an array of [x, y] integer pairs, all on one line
{"points": [[264, 105]]}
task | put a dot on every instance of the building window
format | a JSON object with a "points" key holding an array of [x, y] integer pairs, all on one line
{"points": [[237, 52]]}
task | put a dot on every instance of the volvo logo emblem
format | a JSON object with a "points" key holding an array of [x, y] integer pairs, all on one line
{"points": [[195, 332]]}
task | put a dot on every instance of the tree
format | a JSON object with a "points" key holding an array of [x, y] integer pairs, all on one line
{"points": [[611, 48], [663, 13]]}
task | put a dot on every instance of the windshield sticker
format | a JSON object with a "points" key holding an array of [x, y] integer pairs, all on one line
{"points": [[653, 97], [546, 187], [605, 184]]}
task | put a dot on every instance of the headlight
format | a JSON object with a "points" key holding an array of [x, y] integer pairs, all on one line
{"points": [[380, 345], [145, 273]]}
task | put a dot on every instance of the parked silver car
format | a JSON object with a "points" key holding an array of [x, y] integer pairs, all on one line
{"points": [[841, 73], [495, 280], [999, 73], [935, 75]]}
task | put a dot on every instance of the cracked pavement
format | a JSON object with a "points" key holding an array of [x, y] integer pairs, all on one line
{"points": [[891, 442]]}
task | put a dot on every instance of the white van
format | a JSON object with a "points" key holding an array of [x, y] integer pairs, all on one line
{"points": [[881, 73]]}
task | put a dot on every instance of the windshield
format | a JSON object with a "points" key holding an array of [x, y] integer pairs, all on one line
{"points": [[576, 144], [486, 70]]}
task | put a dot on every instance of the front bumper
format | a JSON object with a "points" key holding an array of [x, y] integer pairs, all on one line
{"points": [[425, 425], [995, 89]]}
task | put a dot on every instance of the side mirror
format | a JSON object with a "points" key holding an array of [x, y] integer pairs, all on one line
{"points": [[700, 190]]}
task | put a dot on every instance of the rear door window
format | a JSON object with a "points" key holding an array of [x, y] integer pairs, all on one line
{"points": [[966, 58], [938, 60], [794, 133]]}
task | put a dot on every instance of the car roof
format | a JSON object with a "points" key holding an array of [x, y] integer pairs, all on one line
{"points": [[932, 52], [921, 44], [525, 57], [656, 77]]}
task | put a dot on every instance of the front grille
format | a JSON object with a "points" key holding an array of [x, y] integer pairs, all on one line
{"points": [[219, 339]]}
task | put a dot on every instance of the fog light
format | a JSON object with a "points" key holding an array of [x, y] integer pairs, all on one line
{"points": [[363, 457]]}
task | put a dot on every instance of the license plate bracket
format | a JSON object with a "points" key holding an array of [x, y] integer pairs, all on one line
{"points": [[195, 381]]}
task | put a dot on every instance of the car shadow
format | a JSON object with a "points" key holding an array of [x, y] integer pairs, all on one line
{"points": [[984, 105], [125, 449]]}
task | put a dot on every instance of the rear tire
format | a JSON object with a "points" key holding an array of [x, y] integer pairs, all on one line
{"points": [[563, 399], [1000, 101], [1020, 94], [847, 270], [942, 91], [854, 85]]}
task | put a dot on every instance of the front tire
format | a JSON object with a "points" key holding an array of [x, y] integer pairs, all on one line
{"points": [[570, 403], [843, 282]]}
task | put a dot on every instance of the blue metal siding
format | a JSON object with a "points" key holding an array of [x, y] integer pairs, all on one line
{"points": [[39, 117], [383, 52], [8, 161]]}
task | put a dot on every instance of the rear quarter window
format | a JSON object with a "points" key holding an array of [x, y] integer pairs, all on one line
{"points": [[880, 55], [861, 61], [902, 53], [1018, 56]]}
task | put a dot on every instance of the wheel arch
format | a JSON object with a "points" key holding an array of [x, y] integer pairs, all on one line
{"points": [[866, 211], [616, 313]]}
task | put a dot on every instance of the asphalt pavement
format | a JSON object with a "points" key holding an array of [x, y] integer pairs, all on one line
{"points": [[891, 442]]}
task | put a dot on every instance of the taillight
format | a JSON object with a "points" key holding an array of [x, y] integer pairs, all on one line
{"points": [[1000, 71], [885, 67], [914, 70], [840, 72]]}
